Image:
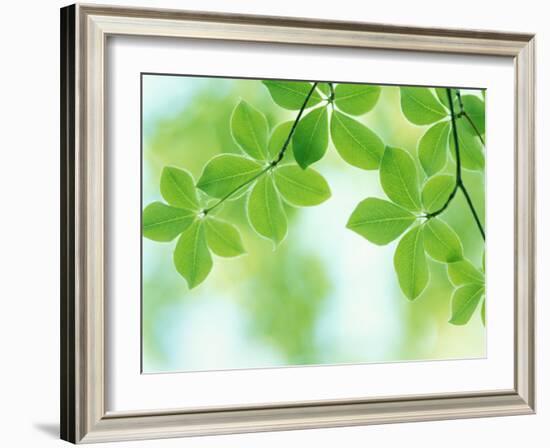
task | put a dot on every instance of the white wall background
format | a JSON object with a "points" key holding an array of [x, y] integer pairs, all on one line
{"points": [[29, 186]]}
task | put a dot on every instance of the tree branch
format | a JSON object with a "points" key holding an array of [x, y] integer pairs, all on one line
{"points": [[459, 184]]}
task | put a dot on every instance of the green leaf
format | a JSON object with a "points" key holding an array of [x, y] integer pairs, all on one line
{"points": [[163, 223], [226, 172], [223, 238], [356, 99], [249, 130], [471, 149], [191, 256], [178, 188], [463, 272], [278, 138], [356, 143], [436, 192], [432, 148], [265, 211], [475, 108], [310, 139], [399, 178], [301, 187], [483, 311], [441, 241], [291, 94], [464, 302], [379, 221], [410, 263], [420, 106]]}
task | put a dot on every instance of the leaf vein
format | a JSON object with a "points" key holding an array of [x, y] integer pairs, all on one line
{"points": [[166, 221], [228, 177], [193, 201], [417, 101]]}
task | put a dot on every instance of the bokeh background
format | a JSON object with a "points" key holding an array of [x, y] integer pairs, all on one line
{"points": [[325, 295]]}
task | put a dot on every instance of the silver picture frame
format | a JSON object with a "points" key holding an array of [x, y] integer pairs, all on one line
{"points": [[84, 417]]}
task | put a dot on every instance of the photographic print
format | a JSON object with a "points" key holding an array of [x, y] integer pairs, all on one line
{"points": [[295, 223]]}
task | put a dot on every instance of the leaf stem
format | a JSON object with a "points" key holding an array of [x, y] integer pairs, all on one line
{"points": [[459, 184], [273, 163], [293, 128]]}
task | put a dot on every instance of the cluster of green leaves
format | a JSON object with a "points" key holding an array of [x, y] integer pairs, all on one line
{"points": [[261, 171], [198, 234], [414, 209], [269, 176]]}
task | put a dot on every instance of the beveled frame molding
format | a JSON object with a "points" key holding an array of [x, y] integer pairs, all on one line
{"points": [[84, 31]]}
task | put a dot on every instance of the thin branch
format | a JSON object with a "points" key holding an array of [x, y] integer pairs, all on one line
{"points": [[444, 206], [471, 205], [476, 130], [458, 175], [287, 141], [455, 138], [459, 184]]}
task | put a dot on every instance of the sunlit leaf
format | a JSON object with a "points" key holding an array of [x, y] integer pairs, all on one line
{"points": [[463, 272], [420, 106], [277, 140], [310, 139], [475, 108], [436, 192], [410, 263], [356, 143], [441, 241], [464, 302], [356, 99], [432, 148], [178, 188], [301, 187], [291, 94], [399, 179], [192, 257], [162, 222], [223, 238], [265, 211], [249, 130], [379, 221], [471, 148], [226, 172]]}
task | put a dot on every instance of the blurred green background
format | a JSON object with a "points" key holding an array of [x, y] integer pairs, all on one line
{"points": [[326, 295]]}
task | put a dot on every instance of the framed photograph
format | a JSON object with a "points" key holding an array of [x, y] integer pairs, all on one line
{"points": [[278, 223]]}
